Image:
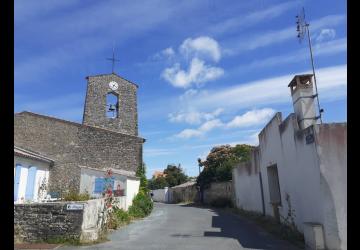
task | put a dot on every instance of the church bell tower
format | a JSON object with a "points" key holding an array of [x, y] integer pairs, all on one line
{"points": [[111, 103]]}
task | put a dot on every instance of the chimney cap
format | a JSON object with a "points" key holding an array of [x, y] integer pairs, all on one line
{"points": [[304, 77]]}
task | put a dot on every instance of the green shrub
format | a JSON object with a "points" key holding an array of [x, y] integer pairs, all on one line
{"points": [[122, 216], [141, 206], [113, 222], [75, 196], [221, 202]]}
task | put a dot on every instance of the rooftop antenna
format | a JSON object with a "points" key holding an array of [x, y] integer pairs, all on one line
{"points": [[302, 27], [113, 59]]}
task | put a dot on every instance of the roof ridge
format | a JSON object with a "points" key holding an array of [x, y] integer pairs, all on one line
{"points": [[115, 75], [75, 123], [33, 153]]}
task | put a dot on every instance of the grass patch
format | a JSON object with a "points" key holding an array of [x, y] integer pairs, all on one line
{"points": [[75, 196], [72, 241], [141, 207], [64, 240], [270, 225]]}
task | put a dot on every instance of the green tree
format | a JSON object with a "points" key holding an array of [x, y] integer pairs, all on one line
{"points": [[157, 183], [242, 152], [141, 172], [175, 175], [220, 162]]}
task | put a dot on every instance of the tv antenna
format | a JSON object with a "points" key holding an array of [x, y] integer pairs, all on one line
{"points": [[302, 27]]}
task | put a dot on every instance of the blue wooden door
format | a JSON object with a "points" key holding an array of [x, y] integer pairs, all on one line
{"points": [[17, 181], [30, 184]]}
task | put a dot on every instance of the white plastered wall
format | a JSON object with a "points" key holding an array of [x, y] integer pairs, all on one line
{"points": [[161, 195], [298, 171], [87, 181], [312, 173], [131, 191], [244, 198], [42, 171]]}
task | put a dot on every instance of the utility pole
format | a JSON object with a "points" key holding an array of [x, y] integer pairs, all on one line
{"points": [[199, 163], [303, 29]]}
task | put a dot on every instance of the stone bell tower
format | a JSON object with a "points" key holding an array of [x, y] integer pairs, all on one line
{"points": [[111, 104], [303, 97]]}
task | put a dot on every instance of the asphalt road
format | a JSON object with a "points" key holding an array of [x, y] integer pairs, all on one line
{"points": [[183, 227]]}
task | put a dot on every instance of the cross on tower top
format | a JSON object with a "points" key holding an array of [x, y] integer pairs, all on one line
{"points": [[113, 59]]}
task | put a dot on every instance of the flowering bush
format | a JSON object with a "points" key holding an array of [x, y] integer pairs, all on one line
{"points": [[108, 189]]}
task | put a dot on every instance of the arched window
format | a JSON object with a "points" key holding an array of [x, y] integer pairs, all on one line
{"points": [[112, 105]]}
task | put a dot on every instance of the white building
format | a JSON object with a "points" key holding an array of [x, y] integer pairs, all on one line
{"points": [[300, 166], [32, 172], [31, 175], [124, 182]]}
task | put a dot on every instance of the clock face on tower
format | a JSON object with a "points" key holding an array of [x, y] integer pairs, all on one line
{"points": [[113, 85]]}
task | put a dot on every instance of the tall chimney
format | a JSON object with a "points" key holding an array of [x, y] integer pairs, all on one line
{"points": [[303, 100]]}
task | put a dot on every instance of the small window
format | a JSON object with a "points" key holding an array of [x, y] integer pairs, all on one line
{"points": [[112, 105]]}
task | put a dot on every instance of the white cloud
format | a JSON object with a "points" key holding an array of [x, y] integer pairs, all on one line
{"points": [[194, 117], [158, 151], [241, 21], [188, 94], [190, 117], [167, 53], [326, 34], [201, 46], [320, 49], [210, 125], [202, 130], [331, 81], [188, 133], [197, 73], [196, 51], [251, 118], [279, 36]]}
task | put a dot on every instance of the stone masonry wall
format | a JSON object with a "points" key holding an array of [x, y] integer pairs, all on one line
{"points": [[218, 190], [44, 221], [95, 104], [71, 144], [184, 194]]}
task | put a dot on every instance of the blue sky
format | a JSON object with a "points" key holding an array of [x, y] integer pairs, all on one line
{"points": [[209, 72]]}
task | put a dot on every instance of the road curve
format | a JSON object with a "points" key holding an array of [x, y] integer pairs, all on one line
{"points": [[186, 227]]}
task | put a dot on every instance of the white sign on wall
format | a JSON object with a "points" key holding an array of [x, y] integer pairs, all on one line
{"points": [[74, 206]]}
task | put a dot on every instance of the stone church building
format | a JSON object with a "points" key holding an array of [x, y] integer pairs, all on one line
{"points": [[75, 156]]}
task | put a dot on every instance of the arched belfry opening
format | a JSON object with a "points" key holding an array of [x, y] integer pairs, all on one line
{"points": [[112, 105]]}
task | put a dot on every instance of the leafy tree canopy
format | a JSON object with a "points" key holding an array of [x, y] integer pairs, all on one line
{"points": [[157, 183], [220, 162], [173, 176], [141, 172]]}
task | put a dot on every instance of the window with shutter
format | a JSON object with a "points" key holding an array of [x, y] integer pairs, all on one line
{"points": [[17, 181], [30, 183], [99, 185]]}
